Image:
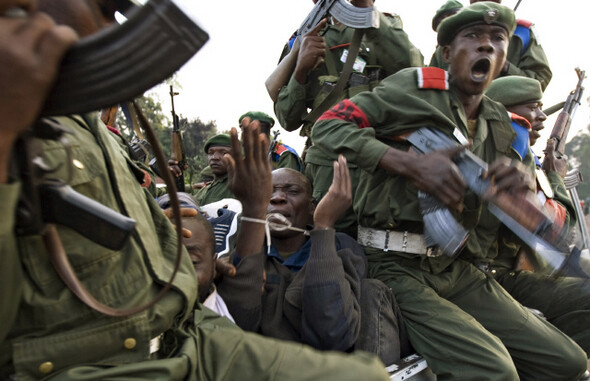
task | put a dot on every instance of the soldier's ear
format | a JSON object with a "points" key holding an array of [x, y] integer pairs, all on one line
{"points": [[446, 54]]}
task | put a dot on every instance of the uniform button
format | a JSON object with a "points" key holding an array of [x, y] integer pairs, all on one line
{"points": [[130, 343], [46, 367], [493, 272], [78, 164]]}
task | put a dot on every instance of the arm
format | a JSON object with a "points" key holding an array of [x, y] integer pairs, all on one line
{"points": [[250, 180], [331, 287], [30, 51], [532, 63]]}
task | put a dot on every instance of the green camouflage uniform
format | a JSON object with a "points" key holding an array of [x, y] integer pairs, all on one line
{"points": [[48, 333], [214, 191], [460, 319], [385, 51], [532, 62]]}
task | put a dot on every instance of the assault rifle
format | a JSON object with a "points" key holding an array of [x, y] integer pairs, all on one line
{"points": [[564, 119], [518, 214], [177, 149], [108, 68], [273, 144], [122, 61], [342, 11]]}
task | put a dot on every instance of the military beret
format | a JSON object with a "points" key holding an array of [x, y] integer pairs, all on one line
{"points": [[515, 90], [218, 140], [449, 8], [478, 13], [258, 115], [184, 199]]}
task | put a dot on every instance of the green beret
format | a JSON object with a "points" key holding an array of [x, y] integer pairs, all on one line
{"points": [[515, 90], [258, 115], [447, 9], [218, 140], [485, 12]]}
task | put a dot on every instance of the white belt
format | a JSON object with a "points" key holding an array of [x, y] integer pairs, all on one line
{"points": [[387, 240]]}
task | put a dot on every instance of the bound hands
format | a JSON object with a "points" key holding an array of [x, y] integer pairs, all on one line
{"points": [[311, 53], [337, 200]]}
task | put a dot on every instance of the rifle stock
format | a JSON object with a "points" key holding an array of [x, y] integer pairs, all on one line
{"points": [[564, 119], [342, 11]]}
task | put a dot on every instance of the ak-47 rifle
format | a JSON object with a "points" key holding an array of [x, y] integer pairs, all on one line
{"points": [[111, 67], [564, 119], [177, 149], [273, 144], [342, 11], [521, 216]]}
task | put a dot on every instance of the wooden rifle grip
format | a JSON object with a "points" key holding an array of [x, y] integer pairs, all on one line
{"points": [[522, 210]]}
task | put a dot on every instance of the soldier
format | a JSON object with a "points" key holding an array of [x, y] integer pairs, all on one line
{"points": [[447, 9], [385, 50], [216, 148], [46, 331], [565, 302], [281, 155], [309, 285], [526, 56], [459, 319]]}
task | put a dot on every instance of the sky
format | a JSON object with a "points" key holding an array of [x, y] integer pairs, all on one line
{"points": [[226, 77]]}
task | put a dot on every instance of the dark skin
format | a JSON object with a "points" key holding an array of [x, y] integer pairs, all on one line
{"points": [[202, 253], [215, 155], [31, 48], [475, 57], [533, 112], [293, 199]]}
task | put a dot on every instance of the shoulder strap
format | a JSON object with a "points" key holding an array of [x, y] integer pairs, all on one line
{"points": [[337, 91]]}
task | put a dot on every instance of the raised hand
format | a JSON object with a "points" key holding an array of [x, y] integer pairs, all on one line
{"points": [[337, 200], [311, 53]]}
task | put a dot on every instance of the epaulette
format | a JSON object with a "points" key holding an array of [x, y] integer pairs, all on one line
{"points": [[433, 78], [280, 149], [525, 23], [520, 120], [523, 32], [522, 127]]}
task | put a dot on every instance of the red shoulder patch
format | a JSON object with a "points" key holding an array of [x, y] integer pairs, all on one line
{"points": [[348, 112], [280, 149], [520, 120], [433, 78], [525, 23]]}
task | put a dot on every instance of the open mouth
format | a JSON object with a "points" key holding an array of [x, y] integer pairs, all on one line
{"points": [[481, 69]]}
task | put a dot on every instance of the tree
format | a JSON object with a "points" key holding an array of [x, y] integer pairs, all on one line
{"points": [[194, 135], [578, 152]]}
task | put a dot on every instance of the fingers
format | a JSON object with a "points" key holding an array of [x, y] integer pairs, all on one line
{"points": [[184, 212], [318, 28], [224, 268]]}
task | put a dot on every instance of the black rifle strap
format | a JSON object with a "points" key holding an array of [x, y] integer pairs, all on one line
{"points": [[337, 91]]}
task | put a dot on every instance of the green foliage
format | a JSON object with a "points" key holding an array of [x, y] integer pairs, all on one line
{"points": [[194, 133], [578, 152]]}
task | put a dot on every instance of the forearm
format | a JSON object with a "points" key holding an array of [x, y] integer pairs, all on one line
{"points": [[330, 307], [243, 292], [291, 107]]}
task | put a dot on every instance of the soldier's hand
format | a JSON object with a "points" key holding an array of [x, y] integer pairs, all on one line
{"points": [[552, 162], [436, 174], [31, 48], [249, 173], [337, 200], [509, 176], [311, 53], [174, 168], [184, 212]]}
